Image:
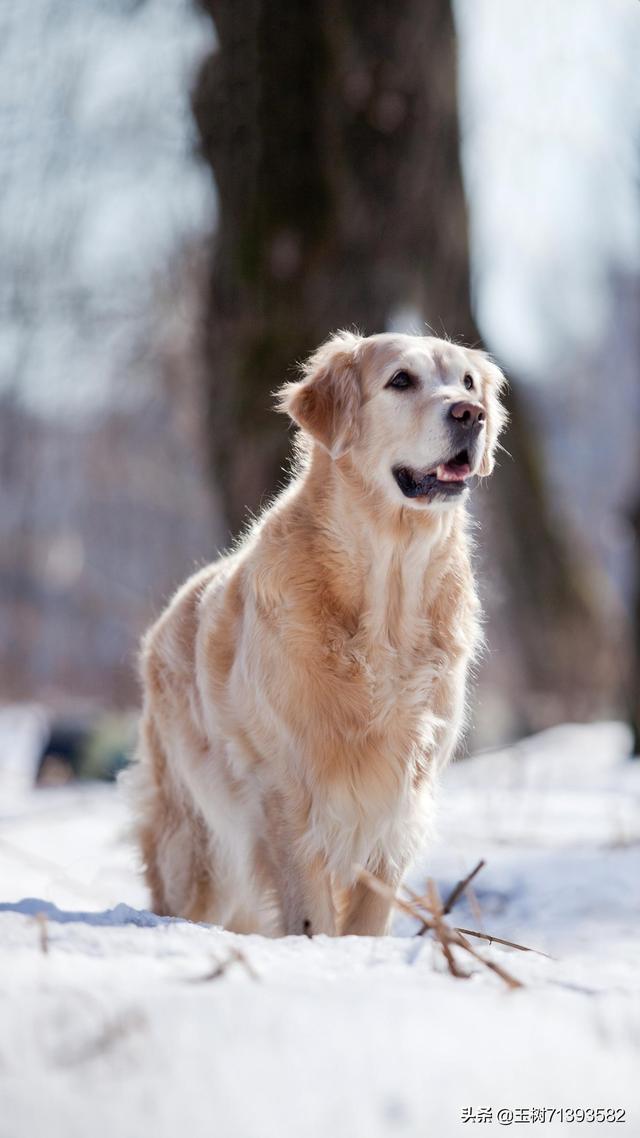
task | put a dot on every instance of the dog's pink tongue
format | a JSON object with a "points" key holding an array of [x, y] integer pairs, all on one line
{"points": [[447, 472]]}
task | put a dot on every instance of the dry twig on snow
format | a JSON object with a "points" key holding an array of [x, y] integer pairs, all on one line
{"points": [[43, 931], [431, 912], [221, 966]]}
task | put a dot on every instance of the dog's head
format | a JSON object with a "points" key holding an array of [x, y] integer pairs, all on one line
{"points": [[417, 416]]}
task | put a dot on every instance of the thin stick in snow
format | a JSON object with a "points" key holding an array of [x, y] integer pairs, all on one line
{"points": [[430, 911], [508, 943], [221, 966], [457, 892]]}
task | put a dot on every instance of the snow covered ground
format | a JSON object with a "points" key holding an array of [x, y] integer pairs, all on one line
{"points": [[114, 1022]]}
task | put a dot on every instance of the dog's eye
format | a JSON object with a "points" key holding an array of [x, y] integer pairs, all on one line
{"points": [[401, 380], [468, 382]]}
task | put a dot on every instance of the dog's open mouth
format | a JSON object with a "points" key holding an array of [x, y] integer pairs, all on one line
{"points": [[447, 478]]}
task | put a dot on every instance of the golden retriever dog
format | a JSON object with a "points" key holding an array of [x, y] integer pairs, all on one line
{"points": [[302, 693]]}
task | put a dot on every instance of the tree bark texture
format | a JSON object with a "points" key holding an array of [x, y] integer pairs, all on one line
{"points": [[332, 133]]}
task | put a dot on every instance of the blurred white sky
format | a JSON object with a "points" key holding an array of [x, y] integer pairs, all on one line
{"points": [[100, 186], [550, 111]]}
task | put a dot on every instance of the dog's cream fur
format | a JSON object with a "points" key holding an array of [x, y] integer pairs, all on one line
{"points": [[302, 692]]}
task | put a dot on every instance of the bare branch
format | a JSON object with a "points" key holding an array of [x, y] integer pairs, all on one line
{"points": [[430, 910], [508, 943], [457, 892], [222, 966]]}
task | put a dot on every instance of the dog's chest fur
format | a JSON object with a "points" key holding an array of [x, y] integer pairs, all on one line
{"points": [[383, 667], [389, 662]]}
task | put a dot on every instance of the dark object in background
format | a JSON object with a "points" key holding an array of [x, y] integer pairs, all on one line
{"points": [[62, 753], [97, 747]]}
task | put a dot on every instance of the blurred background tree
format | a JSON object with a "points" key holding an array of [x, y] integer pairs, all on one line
{"points": [[634, 679], [334, 143]]}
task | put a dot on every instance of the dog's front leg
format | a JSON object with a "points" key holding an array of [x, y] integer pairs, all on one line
{"points": [[302, 882], [306, 897], [368, 913]]}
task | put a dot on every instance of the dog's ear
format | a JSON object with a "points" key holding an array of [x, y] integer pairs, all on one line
{"points": [[494, 383], [326, 401]]}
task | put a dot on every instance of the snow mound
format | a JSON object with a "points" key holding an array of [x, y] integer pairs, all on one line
{"points": [[118, 1022], [119, 915]]}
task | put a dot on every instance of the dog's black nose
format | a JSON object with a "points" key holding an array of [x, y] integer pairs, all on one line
{"points": [[467, 415]]}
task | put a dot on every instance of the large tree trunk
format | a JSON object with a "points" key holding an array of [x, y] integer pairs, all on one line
{"points": [[550, 611], [332, 132], [634, 691], [334, 144]]}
